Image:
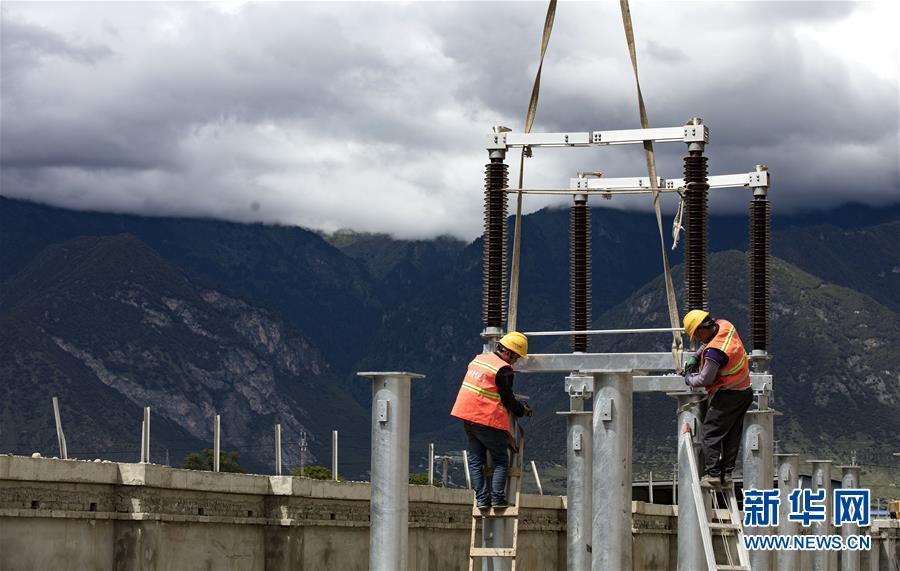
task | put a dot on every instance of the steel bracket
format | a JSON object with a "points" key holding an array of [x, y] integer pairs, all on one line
{"points": [[605, 409], [383, 412], [580, 386]]}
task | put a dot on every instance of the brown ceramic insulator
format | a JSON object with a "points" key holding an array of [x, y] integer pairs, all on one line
{"points": [[760, 238], [494, 256], [696, 287], [580, 274]]}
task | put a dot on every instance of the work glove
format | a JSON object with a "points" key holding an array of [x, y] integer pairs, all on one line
{"points": [[528, 411], [692, 365]]}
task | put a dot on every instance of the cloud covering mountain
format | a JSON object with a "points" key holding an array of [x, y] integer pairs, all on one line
{"points": [[372, 116]]}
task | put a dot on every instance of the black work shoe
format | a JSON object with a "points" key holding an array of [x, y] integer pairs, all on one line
{"points": [[502, 505], [709, 481], [484, 506]]}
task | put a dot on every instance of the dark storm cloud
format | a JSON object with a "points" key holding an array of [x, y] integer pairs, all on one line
{"points": [[372, 116]]}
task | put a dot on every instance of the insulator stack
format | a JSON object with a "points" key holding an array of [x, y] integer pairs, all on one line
{"points": [[760, 228], [580, 272], [696, 288], [494, 269]]}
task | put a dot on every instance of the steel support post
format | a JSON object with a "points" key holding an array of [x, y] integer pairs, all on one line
{"points": [[788, 481], [690, 543], [578, 486], [334, 455], [611, 480], [389, 527], [823, 559], [217, 445], [849, 557], [60, 437], [758, 462], [146, 436], [278, 449]]}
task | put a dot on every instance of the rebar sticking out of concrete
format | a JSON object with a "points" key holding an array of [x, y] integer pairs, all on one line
{"points": [[389, 533]]}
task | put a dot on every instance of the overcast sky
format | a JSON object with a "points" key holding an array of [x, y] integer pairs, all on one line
{"points": [[373, 116]]}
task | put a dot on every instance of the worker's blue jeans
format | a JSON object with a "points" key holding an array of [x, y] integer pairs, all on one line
{"points": [[484, 439]]}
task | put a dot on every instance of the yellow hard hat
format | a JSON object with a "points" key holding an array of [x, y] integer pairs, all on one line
{"points": [[516, 342], [693, 319]]}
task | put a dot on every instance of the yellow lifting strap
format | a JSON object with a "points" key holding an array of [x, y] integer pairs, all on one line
{"points": [[529, 121], [677, 343]]}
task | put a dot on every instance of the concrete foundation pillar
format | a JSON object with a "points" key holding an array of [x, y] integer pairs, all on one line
{"points": [[823, 560], [389, 532], [757, 452], [690, 543], [611, 498], [788, 480], [850, 559], [578, 486]]}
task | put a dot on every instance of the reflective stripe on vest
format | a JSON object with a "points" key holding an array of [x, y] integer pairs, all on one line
{"points": [[478, 400], [736, 376]]}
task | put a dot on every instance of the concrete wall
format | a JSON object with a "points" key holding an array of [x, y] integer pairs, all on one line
{"points": [[69, 514]]}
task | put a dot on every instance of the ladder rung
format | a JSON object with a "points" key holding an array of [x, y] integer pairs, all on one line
{"points": [[511, 511], [732, 568], [724, 526], [492, 552]]}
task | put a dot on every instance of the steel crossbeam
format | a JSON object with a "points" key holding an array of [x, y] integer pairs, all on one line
{"points": [[502, 139]]}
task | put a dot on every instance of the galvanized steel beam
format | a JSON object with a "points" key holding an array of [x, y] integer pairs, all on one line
{"points": [[578, 486], [757, 451], [788, 480], [595, 362], [389, 532], [691, 555], [611, 495]]}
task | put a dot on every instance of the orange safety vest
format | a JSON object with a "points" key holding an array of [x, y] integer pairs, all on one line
{"points": [[478, 400], [735, 375]]}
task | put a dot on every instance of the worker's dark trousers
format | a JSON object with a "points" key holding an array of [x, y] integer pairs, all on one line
{"points": [[484, 439], [722, 429]]}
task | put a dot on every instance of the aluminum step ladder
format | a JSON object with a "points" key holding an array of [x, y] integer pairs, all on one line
{"points": [[514, 482], [720, 521]]}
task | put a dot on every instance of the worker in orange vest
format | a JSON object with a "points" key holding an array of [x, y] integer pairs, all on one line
{"points": [[721, 366], [484, 402]]}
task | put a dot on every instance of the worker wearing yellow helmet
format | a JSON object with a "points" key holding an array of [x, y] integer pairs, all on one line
{"points": [[721, 367], [484, 402]]}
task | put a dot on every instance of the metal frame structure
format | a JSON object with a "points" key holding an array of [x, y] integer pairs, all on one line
{"points": [[617, 376]]}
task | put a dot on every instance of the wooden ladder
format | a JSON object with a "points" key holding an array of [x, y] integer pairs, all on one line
{"points": [[722, 518], [514, 479]]}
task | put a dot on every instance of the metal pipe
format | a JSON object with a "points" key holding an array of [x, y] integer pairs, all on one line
{"points": [[143, 429], [579, 453], [431, 464], [690, 542], [334, 455], [537, 478], [788, 481], [757, 451], [650, 486], [388, 530], [822, 559], [145, 444], [466, 468], [850, 558], [445, 464], [217, 448], [278, 449], [611, 495], [60, 436], [603, 331]]}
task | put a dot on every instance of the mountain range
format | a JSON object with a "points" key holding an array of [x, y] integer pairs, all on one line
{"points": [[264, 324]]}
